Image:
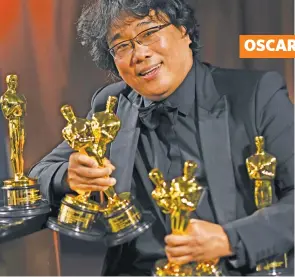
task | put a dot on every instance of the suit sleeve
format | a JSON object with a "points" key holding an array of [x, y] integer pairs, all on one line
{"points": [[270, 231]]}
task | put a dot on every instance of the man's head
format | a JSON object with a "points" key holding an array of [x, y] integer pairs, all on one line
{"points": [[148, 43]]}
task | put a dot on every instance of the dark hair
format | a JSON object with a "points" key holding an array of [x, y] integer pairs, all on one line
{"points": [[98, 15]]}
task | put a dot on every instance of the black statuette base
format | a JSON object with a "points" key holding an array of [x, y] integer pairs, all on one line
{"points": [[146, 221], [89, 235], [276, 272], [22, 211]]}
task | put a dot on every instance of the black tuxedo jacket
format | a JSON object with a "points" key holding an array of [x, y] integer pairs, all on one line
{"points": [[233, 107]]}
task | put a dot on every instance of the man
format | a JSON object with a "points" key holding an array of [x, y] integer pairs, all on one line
{"points": [[174, 108]]}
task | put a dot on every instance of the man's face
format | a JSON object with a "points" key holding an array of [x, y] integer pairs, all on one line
{"points": [[170, 57]]}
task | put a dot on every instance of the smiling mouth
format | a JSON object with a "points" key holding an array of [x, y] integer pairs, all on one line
{"points": [[150, 71]]}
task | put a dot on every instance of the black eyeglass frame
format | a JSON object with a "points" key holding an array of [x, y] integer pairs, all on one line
{"points": [[159, 27]]}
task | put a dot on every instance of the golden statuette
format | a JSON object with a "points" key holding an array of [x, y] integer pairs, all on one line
{"points": [[21, 194], [14, 110], [261, 169], [78, 212], [179, 199], [110, 125], [121, 216]]}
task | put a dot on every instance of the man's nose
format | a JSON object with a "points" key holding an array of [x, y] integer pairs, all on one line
{"points": [[140, 52]]}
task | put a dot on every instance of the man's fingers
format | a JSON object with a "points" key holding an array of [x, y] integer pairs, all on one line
{"points": [[83, 187], [177, 240], [78, 158], [77, 180], [92, 173], [200, 257], [103, 182], [178, 251], [185, 253], [180, 260], [85, 174]]}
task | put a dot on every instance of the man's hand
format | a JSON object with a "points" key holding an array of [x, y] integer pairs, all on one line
{"points": [[203, 241], [84, 174]]}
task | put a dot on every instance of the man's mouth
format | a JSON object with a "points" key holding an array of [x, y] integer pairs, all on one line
{"points": [[150, 71]]}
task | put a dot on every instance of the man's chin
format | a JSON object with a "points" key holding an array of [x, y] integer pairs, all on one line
{"points": [[157, 96]]}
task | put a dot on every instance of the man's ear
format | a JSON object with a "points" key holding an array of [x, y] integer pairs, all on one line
{"points": [[184, 34]]}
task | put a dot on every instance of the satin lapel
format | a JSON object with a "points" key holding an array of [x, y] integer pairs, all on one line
{"points": [[213, 114], [215, 142], [123, 151], [123, 148]]}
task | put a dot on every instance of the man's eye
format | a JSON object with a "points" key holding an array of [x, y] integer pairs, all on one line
{"points": [[122, 46], [149, 33]]}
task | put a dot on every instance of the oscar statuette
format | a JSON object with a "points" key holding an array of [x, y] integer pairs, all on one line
{"points": [[22, 197], [261, 169], [121, 214], [78, 213], [179, 199]]}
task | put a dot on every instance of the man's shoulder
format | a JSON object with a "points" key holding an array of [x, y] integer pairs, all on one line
{"points": [[240, 72], [100, 97], [233, 80], [242, 84]]}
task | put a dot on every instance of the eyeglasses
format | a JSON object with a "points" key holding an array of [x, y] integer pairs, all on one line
{"points": [[146, 37]]}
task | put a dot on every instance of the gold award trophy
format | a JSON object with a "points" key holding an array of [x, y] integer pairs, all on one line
{"points": [[179, 199], [78, 213], [261, 169], [121, 215], [21, 194]]}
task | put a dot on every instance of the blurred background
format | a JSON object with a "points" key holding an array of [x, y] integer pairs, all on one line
{"points": [[38, 42]]}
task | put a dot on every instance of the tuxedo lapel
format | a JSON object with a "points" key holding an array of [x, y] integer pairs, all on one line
{"points": [[123, 148], [213, 114], [124, 154]]}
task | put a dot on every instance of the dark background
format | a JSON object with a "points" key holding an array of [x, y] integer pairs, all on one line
{"points": [[38, 42]]}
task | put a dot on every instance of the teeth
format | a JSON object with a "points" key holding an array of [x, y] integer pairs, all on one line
{"points": [[152, 69]]}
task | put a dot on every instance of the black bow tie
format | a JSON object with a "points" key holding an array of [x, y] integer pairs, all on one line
{"points": [[150, 116]]}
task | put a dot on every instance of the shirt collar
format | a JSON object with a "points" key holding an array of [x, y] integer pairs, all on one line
{"points": [[183, 97]]}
